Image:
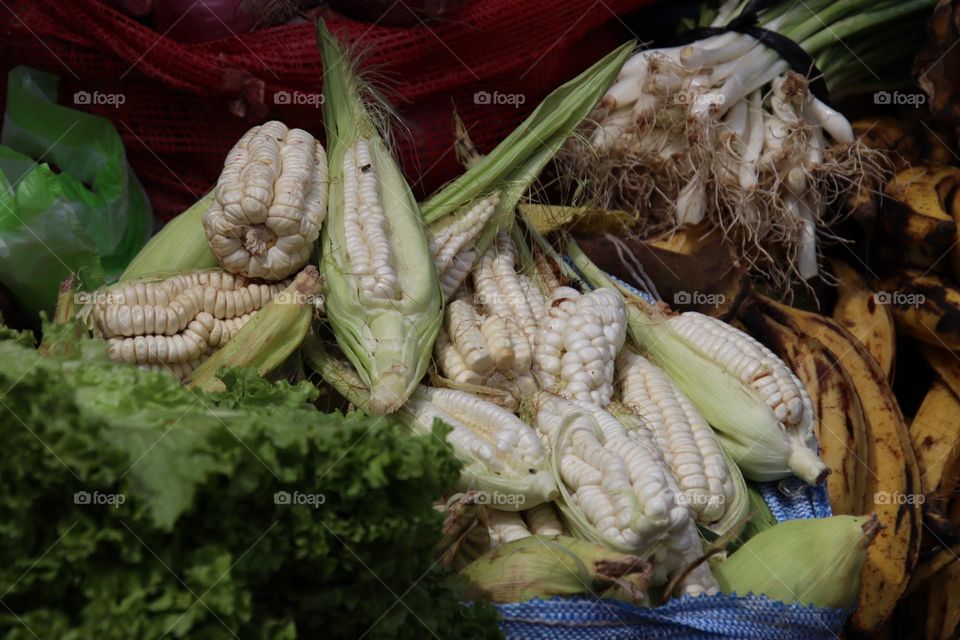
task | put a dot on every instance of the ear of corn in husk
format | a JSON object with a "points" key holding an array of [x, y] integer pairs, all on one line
{"points": [[543, 567], [502, 457], [815, 561], [710, 483], [761, 412], [180, 245], [613, 489], [269, 337], [383, 298], [465, 216], [681, 552]]}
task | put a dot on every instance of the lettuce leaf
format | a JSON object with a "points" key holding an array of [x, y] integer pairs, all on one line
{"points": [[131, 507]]}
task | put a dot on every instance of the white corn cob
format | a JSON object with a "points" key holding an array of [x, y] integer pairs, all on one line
{"points": [[452, 241], [507, 305], [754, 364], [521, 386], [271, 200], [502, 291], [365, 224], [451, 362], [577, 343], [175, 323], [204, 334], [457, 271], [166, 307], [116, 320], [683, 545], [689, 446], [503, 432], [466, 333], [542, 520], [615, 490], [500, 452], [505, 526]]}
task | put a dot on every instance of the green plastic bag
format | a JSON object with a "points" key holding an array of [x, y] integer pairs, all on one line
{"points": [[69, 202]]}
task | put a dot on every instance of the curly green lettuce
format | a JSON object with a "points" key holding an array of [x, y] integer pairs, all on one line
{"points": [[131, 507]]}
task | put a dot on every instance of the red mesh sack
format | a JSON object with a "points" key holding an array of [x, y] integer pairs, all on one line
{"points": [[183, 106]]}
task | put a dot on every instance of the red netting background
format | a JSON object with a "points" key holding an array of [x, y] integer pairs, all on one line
{"points": [[185, 105]]}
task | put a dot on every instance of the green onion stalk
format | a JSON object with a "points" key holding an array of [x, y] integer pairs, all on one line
{"points": [[723, 131]]}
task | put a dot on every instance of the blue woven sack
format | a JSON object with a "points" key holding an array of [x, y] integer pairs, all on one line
{"points": [[695, 618]]}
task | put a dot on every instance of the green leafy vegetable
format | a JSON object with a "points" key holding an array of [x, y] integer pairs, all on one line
{"points": [[131, 507]]}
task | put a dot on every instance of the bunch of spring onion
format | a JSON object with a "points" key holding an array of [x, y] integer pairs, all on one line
{"points": [[723, 130]]}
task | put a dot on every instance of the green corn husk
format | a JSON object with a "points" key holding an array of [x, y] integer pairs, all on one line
{"points": [[813, 561], [465, 536], [746, 427], [64, 331], [181, 245], [388, 341], [271, 336], [517, 162], [335, 371], [544, 567], [551, 123], [760, 518]]}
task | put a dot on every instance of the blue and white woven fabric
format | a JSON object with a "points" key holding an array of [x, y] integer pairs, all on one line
{"points": [[722, 616], [687, 618]]}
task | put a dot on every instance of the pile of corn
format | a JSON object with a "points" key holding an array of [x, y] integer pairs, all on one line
{"points": [[614, 431]]}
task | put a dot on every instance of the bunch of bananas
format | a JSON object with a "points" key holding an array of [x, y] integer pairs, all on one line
{"points": [[912, 302], [893, 452]]}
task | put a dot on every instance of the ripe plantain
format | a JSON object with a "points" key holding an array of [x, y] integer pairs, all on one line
{"points": [[935, 433], [931, 566], [895, 136], [893, 482], [943, 607], [915, 214], [906, 143], [841, 427], [924, 307], [857, 311], [945, 363]]}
